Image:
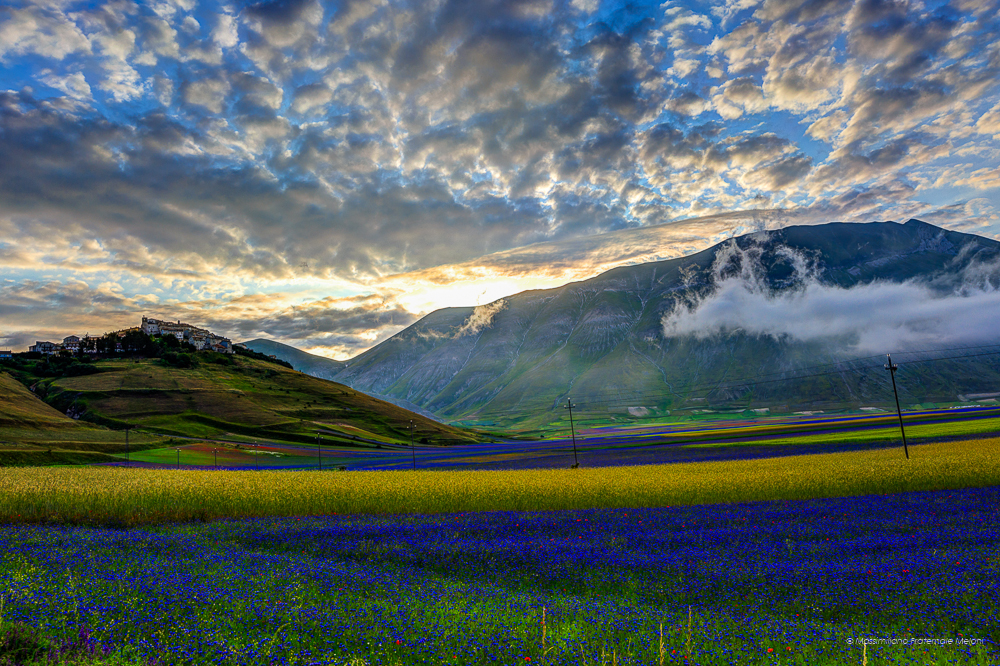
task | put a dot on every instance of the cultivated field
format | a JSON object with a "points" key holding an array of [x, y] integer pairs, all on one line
{"points": [[219, 397], [137, 496]]}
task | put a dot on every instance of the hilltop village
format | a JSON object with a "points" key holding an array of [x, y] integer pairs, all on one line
{"points": [[199, 338]]}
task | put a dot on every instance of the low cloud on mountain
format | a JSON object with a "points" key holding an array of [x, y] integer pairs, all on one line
{"points": [[872, 318], [481, 317]]}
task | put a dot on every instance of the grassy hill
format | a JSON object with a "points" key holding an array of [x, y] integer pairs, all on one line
{"points": [[235, 398], [34, 433]]}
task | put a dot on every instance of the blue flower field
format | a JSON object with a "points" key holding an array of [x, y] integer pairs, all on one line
{"points": [[791, 582]]}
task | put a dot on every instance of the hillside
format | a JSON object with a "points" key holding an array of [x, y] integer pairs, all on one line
{"points": [[32, 432], [603, 340], [20, 408], [323, 368], [235, 398]]}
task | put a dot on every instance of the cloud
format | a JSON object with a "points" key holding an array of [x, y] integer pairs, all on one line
{"points": [[989, 122], [311, 96], [34, 30], [35, 310], [828, 127], [481, 318], [160, 37], [981, 179], [903, 42], [876, 317], [778, 175], [74, 85], [225, 33], [739, 96], [210, 94], [368, 142], [344, 326]]}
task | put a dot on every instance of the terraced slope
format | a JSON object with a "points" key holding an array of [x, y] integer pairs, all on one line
{"points": [[602, 339], [33, 433], [227, 397]]}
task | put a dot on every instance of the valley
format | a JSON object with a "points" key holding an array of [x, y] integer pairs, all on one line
{"points": [[603, 342], [706, 490]]}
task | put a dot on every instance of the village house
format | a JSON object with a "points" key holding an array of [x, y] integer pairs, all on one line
{"points": [[89, 344], [45, 347], [200, 338], [6, 354]]}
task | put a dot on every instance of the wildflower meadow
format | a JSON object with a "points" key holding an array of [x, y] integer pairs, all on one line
{"points": [[777, 582]]}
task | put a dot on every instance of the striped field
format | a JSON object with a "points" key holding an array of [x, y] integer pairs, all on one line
{"points": [[141, 496]]}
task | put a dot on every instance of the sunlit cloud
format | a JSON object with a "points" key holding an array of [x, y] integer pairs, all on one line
{"points": [[252, 166]]}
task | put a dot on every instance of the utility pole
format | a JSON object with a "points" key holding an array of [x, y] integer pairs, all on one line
{"points": [[127, 428], [319, 455], [891, 367], [215, 452], [178, 458], [572, 429], [412, 451]]}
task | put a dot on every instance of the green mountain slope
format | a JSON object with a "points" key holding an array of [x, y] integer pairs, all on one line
{"points": [[235, 397], [602, 340]]}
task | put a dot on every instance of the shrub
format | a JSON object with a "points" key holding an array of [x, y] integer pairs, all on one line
{"points": [[20, 644], [77, 369], [176, 360]]}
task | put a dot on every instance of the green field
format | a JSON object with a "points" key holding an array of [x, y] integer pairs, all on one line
{"points": [[914, 432]]}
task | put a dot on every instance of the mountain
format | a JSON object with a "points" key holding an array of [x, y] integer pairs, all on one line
{"points": [[225, 396], [317, 366], [323, 368], [685, 334]]}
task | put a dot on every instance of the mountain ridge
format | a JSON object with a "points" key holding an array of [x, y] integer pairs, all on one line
{"points": [[604, 336]]}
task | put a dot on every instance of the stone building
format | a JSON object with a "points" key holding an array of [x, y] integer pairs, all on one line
{"points": [[200, 338]]}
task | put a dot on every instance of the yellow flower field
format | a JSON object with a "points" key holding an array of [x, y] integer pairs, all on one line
{"points": [[92, 495]]}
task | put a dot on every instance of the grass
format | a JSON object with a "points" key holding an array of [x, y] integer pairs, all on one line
{"points": [[224, 396], [914, 432], [139, 496]]}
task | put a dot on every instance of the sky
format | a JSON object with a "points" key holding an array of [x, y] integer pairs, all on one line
{"points": [[325, 173]]}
